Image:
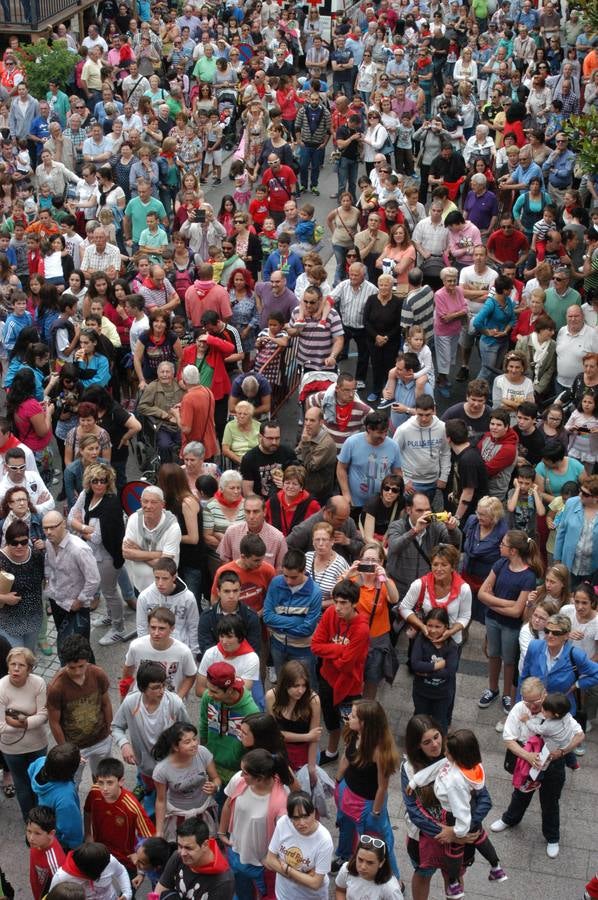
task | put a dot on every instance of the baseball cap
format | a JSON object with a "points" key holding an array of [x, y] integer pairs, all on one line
{"points": [[222, 675]]}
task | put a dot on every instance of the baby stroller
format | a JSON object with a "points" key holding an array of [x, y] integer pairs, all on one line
{"points": [[227, 113], [312, 383]]}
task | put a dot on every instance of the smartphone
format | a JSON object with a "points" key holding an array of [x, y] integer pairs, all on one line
{"points": [[200, 215], [366, 567]]}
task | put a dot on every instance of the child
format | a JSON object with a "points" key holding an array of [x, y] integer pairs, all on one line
{"points": [[306, 227], [52, 260], [107, 221], [23, 160], [243, 180], [35, 260], [216, 260], [416, 343], [258, 209], [179, 327], [18, 319], [93, 863], [268, 238], [268, 341], [45, 853], [391, 189], [226, 214], [52, 781], [213, 154], [582, 428], [455, 778], [540, 231], [153, 238], [404, 145], [113, 815], [135, 308], [556, 728], [434, 663], [524, 502], [73, 241], [554, 121], [150, 857]]}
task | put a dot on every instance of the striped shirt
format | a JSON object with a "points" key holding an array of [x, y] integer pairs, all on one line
{"points": [[315, 340], [355, 424], [418, 309], [351, 302]]}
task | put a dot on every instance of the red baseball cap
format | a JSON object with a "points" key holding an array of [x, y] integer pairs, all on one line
{"points": [[222, 675]]}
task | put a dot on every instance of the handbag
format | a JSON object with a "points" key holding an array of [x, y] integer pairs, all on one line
{"points": [[390, 663], [509, 762]]}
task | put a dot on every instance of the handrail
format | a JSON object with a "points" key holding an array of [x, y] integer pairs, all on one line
{"points": [[289, 372]]}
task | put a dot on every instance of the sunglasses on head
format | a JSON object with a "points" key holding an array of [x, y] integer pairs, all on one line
{"points": [[366, 840]]}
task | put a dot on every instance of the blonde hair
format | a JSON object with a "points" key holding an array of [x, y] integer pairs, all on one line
{"points": [[538, 292], [99, 470], [323, 526], [27, 655], [245, 406], [492, 506]]}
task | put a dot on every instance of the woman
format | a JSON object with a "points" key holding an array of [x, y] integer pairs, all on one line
{"points": [[537, 141], [390, 120], [17, 507], [377, 593], [30, 420], [577, 533], [555, 470], [120, 425], [379, 512], [343, 222], [97, 517], [584, 634], [194, 465], [241, 433], [306, 874], [297, 711], [93, 367], [539, 350], [529, 206], [413, 211], [368, 870], [21, 606], [255, 801], [248, 247], [183, 264], [493, 322], [26, 344], [224, 509], [426, 830], [179, 499], [89, 453], [245, 316], [277, 144], [76, 287], [505, 592], [9, 283], [186, 779], [157, 345], [323, 563], [483, 534], [538, 102], [207, 354], [369, 760], [587, 381], [122, 168], [552, 426], [205, 98], [530, 631], [88, 425], [375, 140], [512, 388], [292, 504], [466, 68], [398, 257], [450, 311], [24, 735], [466, 107], [367, 73], [112, 196]]}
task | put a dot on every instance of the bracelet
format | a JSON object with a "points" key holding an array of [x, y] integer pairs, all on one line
{"points": [[222, 833]]}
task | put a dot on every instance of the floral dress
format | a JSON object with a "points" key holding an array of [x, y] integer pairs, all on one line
{"points": [[190, 154], [244, 312]]}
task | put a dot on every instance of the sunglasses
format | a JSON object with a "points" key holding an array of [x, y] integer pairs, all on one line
{"points": [[556, 633], [390, 488], [22, 543], [16, 468], [99, 481], [366, 840]]}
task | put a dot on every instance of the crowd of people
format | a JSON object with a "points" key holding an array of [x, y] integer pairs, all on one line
{"points": [[272, 570]]}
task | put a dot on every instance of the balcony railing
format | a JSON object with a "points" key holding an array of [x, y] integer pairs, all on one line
{"points": [[35, 15]]}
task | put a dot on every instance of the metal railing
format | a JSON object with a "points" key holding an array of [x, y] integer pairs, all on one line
{"points": [[289, 374], [34, 15]]}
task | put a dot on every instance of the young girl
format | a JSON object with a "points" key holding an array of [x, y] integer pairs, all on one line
{"points": [[534, 629], [106, 219], [368, 873], [185, 777], [434, 662], [150, 858], [369, 759], [268, 341], [296, 708], [582, 428], [243, 181], [555, 588], [303, 872], [554, 728], [226, 214], [416, 343], [52, 257], [455, 779], [584, 634]]}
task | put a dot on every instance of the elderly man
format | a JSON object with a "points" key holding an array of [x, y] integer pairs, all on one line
{"points": [[158, 292], [558, 169], [526, 170], [77, 136], [418, 305], [73, 578], [195, 413], [91, 77], [100, 256], [350, 296], [275, 295], [481, 205], [343, 412], [152, 533], [561, 297], [157, 401], [431, 242], [255, 523], [477, 281], [253, 387], [574, 341], [316, 451], [61, 146], [347, 537], [319, 341]]}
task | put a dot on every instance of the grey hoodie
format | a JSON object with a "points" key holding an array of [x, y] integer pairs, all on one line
{"points": [[128, 725], [425, 453], [184, 606]]}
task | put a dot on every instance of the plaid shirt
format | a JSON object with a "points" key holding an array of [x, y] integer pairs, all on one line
{"points": [[77, 138], [100, 262]]}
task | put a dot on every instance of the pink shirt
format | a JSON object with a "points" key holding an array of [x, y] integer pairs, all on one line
{"points": [[24, 428], [445, 303]]}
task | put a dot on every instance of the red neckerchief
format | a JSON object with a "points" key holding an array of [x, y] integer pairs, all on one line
{"points": [[243, 648], [428, 582], [343, 415], [229, 504]]}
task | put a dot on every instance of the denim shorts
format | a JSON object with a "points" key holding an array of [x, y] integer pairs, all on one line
{"points": [[503, 641]]}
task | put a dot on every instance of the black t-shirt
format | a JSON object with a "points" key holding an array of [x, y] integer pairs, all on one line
{"points": [[475, 427], [450, 169], [257, 466], [182, 882], [285, 69], [382, 514], [470, 472], [351, 151], [531, 445], [114, 423]]}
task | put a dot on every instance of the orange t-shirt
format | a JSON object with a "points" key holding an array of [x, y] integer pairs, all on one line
{"points": [[381, 621], [254, 583]]}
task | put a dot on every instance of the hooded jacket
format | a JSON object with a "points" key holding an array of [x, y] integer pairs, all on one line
{"points": [[292, 616], [100, 889], [425, 453], [182, 603], [218, 350], [62, 797], [343, 649], [499, 458], [453, 787]]}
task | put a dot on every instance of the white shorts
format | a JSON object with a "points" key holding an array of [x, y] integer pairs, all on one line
{"points": [[213, 157]]}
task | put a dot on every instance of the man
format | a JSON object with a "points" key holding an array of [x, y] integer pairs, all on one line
{"points": [[97, 148], [275, 295], [341, 59], [8, 441], [91, 77], [252, 574], [280, 181], [77, 136], [371, 242], [526, 170], [507, 243], [255, 389], [283, 259], [316, 452], [292, 609], [425, 453], [23, 110], [290, 221], [498, 448], [348, 142], [199, 868], [160, 646], [531, 439], [347, 538], [560, 298], [481, 205], [447, 168], [477, 281], [558, 169], [136, 210], [254, 524], [365, 460], [195, 413], [470, 479], [134, 86], [222, 709], [205, 294], [72, 576], [431, 241], [100, 256], [17, 475], [313, 133], [151, 534], [262, 466], [350, 297], [401, 389], [170, 592], [574, 341], [474, 412], [319, 341], [39, 131], [418, 305], [78, 701], [341, 642], [554, 253], [202, 234], [411, 539], [280, 66]]}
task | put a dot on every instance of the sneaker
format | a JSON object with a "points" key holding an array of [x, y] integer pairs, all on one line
{"points": [[333, 196], [384, 404], [500, 726], [462, 374], [336, 864], [580, 751], [217, 181], [101, 622], [552, 850], [372, 397], [326, 758], [588, 727], [272, 676], [301, 188], [315, 191], [497, 874], [111, 637], [487, 698], [454, 891], [361, 385], [499, 825], [507, 704]]}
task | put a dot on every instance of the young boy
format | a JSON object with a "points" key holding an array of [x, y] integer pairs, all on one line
{"points": [[113, 815], [18, 319], [6, 249], [216, 260], [64, 334], [160, 645], [213, 154], [258, 208], [19, 246], [179, 327], [135, 308], [73, 241], [531, 439], [168, 590], [268, 238], [524, 502], [52, 780], [45, 853], [153, 238], [95, 869]]}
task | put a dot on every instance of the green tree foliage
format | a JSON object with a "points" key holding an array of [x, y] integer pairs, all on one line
{"points": [[583, 140], [42, 62]]}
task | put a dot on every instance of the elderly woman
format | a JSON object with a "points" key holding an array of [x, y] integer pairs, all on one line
{"points": [[577, 533], [382, 323], [550, 665], [146, 168], [23, 722], [292, 504], [224, 509], [55, 175], [241, 433], [450, 311], [97, 517], [480, 146], [323, 563], [157, 402], [482, 537], [194, 465], [587, 381], [21, 600]]}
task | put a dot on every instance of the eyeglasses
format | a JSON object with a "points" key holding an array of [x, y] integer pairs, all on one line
{"points": [[366, 840], [391, 489], [99, 481], [556, 633], [16, 468], [52, 527], [22, 543]]}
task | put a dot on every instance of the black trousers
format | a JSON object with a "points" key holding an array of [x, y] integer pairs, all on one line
{"points": [[383, 359], [550, 793], [358, 335]]}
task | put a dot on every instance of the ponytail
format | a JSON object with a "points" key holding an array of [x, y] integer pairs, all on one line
{"points": [[263, 764], [527, 549], [170, 738]]}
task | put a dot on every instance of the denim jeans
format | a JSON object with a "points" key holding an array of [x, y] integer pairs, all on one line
{"points": [[18, 763], [347, 175], [310, 157], [281, 654], [247, 877], [25, 639], [340, 254], [67, 623], [124, 583], [490, 355], [192, 578]]}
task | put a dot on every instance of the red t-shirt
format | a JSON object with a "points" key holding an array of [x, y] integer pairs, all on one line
{"points": [[507, 247], [119, 824], [254, 583], [280, 187], [258, 210], [43, 864]]}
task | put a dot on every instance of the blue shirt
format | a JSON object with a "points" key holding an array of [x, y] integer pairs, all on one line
{"points": [[40, 128], [524, 176], [368, 466], [558, 168], [508, 585]]}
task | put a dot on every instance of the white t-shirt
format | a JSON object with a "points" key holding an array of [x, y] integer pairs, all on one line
{"points": [[503, 389], [589, 642], [359, 889], [302, 852], [249, 837], [138, 327], [469, 278], [246, 666], [177, 660]]}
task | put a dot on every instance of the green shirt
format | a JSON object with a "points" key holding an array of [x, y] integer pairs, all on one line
{"points": [[158, 240], [205, 69], [219, 731], [137, 212]]}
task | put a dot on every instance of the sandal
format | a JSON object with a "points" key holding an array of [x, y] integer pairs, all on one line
{"points": [[8, 790]]}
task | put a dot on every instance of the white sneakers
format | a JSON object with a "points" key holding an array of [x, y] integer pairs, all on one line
{"points": [[552, 850], [499, 825], [111, 637]]}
